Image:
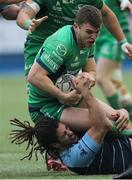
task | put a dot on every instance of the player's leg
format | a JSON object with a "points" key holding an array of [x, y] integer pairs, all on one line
{"points": [[106, 63], [124, 94], [110, 79], [104, 71]]}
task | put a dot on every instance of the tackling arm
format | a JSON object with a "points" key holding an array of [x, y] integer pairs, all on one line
{"points": [[90, 69]]}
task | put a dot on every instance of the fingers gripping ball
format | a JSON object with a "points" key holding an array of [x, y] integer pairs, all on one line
{"points": [[65, 83]]}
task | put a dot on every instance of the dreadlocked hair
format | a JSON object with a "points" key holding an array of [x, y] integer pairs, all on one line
{"points": [[38, 138]]}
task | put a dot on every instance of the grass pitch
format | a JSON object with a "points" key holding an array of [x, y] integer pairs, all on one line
{"points": [[13, 104]]}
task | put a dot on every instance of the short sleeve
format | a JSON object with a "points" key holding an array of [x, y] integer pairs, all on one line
{"points": [[52, 55], [82, 153]]}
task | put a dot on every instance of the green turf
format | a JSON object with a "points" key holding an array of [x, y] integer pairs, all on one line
{"points": [[13, 104]]}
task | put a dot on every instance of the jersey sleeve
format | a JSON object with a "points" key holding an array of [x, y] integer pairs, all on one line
{"points": [[52, 55], [82, 153]]}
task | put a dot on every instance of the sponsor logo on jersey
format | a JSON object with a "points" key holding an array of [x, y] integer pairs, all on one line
{"points": [[57, 7], [58, 58], [61, 50], [50, 63]]}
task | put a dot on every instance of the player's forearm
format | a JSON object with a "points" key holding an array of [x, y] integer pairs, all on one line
{"points": [[10, 1], [21, 20], [95, 110], [112, 24], [108, 109], [11, 12], [25, 15], [46, 85], [93, 74], [90, 68], [40, 79]]}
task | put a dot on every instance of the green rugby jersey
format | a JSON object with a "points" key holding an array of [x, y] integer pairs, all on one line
{"points": [[58, 55], [60, 13]]}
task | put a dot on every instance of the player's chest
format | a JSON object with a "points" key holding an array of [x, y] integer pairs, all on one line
{"points": [[77, 60]]}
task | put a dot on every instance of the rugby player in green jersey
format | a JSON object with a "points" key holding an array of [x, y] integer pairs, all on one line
{"points": [[68, 50], [110, 57], [33, 17]]}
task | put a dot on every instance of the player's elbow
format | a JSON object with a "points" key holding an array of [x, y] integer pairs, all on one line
{"points": [[34, 78]]}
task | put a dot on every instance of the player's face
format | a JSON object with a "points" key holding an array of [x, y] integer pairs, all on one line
{"points": [[86, 35], [65, 135]]}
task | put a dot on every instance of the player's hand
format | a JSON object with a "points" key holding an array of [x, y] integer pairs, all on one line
{"points": [[88, 77], [71, 98], [127, 49], [122, 119], [35, 23], [82, 86], [126, 4]]}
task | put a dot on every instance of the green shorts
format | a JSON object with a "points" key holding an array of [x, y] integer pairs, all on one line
{"points": [[51, 109], [109, 49]]}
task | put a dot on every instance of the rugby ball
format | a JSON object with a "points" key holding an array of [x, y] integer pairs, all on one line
{"points": [[64, 83]]}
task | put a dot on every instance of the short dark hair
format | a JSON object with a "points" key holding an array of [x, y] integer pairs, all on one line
{"points": [[89, 14]]}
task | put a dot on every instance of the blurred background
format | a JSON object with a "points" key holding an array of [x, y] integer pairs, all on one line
{"points": [[13, 100]]}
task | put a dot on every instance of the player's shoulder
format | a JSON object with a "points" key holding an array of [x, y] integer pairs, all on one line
{"points": [[62, 37], [63, 34]]}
